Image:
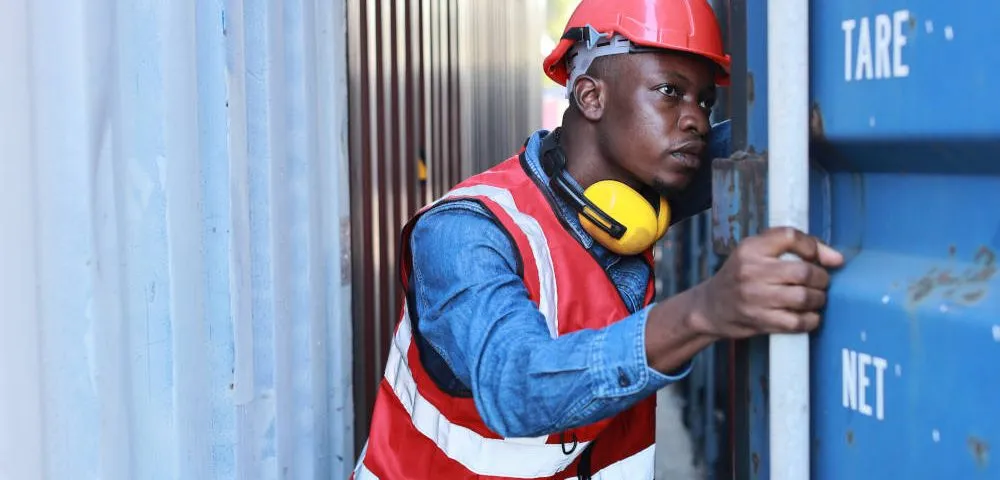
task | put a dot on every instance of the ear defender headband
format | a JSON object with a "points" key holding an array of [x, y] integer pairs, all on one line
{"points": [[614, 214]]}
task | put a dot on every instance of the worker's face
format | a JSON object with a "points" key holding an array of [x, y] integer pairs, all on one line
{"points": [[655, 121]]}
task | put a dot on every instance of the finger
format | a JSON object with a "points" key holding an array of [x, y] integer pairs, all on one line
{"points": [[798, 273], [784, 321], [796, 298], [828, 257], [781, 240], [778, 241]]}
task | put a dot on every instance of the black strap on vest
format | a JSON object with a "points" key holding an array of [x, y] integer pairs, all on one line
{"points": [[584, 470]]}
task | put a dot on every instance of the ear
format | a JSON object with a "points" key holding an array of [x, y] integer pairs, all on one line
{"points": [[590, 95]]}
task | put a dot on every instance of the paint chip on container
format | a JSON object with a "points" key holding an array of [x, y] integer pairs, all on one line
{"points": [[871, 121], [899, 370], [996, 332], [936, 435], [885, 300], [949, 33], [943, 308], [864, 336], [929, 26]]}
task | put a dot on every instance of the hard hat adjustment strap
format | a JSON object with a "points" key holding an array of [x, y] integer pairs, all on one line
{"points": [[590, 45], [587, 34]]}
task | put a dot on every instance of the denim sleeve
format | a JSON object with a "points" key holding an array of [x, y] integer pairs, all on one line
{"points": [[474, 310]]}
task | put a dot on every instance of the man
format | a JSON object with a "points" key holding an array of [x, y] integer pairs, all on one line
{"points": [[529, 346]]}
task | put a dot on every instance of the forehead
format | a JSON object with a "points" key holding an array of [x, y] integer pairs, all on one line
{"points": [[697, 71]]}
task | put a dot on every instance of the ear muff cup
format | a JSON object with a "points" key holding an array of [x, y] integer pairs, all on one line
{"points": [[643, 225], [662, 219]]}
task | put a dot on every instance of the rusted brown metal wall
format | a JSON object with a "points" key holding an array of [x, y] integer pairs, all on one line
{"points": [[453, 83], [502, 89]]}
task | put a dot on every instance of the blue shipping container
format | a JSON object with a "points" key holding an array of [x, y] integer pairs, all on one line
{"points": [[905, 181]]}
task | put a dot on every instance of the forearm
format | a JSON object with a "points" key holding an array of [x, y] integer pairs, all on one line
{"points": [[673, 337], [531, 386]]}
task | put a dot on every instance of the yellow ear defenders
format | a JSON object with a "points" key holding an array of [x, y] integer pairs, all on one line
{"points": [[618, 217]]}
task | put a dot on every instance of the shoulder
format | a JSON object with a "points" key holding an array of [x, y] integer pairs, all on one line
{"points": [[459, 232]]}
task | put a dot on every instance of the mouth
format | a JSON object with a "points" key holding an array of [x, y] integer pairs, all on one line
{"points": [[689, 154]]}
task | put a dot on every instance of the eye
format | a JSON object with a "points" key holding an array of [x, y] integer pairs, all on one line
{"points": [[668, 90]]}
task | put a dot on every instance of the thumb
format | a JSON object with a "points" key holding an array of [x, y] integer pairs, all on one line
{"points": [[828, 257]]}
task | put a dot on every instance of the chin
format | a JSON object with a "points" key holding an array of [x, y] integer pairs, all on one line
{"points": [[671, 183]]}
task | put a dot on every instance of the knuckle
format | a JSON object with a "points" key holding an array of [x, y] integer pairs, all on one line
{"points": [[782, 230], [807, 322], [791, 233], [813, 247], [743, 252], [790, 323], [744, 274], [821, 278], [820, 300], [803, 273], [801, 297], [801, 324]]}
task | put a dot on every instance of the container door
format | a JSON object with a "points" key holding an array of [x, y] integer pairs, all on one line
{"points": [[906, 371]]}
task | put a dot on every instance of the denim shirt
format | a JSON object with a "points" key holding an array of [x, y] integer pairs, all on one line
{"points": [[480, 335]]}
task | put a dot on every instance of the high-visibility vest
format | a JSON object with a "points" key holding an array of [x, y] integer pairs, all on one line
{"points": [[419, 432]]}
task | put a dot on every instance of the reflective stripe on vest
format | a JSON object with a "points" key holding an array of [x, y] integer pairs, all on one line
{"points": [[511, 457], [361, 472], [635, 467], [548, 299], [638, 466]]}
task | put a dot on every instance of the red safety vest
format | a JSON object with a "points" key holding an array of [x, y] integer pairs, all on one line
{"points": [[421, 432]]}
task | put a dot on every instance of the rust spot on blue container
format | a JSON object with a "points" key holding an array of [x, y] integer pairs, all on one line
{"points": [[980, 451], [816, 129], [921, 289], [966, 286], [974, 296], [986, 258]]}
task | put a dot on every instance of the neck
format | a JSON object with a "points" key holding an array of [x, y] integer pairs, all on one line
{"points": [[586, 161]]}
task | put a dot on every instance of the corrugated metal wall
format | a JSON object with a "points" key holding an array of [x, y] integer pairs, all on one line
{"points": [[173, 299], [451, 83], [501, 79]]}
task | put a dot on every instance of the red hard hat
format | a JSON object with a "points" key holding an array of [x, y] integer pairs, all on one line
{"points": [[683, 25]]}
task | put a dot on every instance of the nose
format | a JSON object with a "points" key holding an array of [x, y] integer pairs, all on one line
{"points": [[694, 120]]}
